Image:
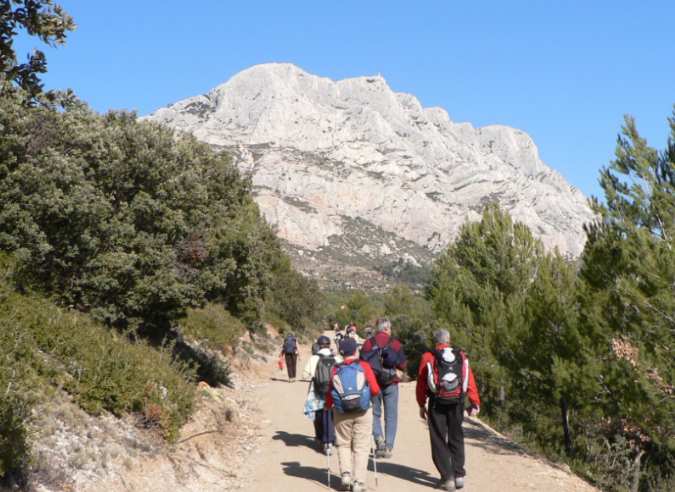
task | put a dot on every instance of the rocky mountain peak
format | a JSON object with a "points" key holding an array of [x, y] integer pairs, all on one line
{"points": [[355, 172]]}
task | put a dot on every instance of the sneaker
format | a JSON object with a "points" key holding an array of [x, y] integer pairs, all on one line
{"points": [[448, 485], [359, 487], [387, 453], [328, 448], [381, 447], [459, 482], [346, 481]]}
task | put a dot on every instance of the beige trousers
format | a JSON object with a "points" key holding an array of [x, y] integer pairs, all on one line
{"points": [[352, 433]]}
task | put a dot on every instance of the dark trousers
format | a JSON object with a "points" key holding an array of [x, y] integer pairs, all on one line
{"points": [[291, 364], [447, 439], [324, 428]]}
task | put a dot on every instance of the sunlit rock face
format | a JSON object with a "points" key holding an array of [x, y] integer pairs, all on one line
{"points": [[369, 174]]}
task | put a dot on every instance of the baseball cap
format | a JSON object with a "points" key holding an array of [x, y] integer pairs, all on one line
{"points": [[323, 340], [348, 347]]}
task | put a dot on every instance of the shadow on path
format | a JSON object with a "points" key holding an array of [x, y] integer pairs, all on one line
{"points": [[297, 440], [311, 473], [418, 477]]}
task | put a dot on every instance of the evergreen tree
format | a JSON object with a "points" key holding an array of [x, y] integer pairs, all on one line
{"points": [[629, 294], [476, 284]]}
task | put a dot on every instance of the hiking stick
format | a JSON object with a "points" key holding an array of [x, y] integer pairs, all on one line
{"points": [[372, 443], [328, 456]]}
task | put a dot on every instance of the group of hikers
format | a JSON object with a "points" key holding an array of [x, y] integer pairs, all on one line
{"points": [[345, 386]]}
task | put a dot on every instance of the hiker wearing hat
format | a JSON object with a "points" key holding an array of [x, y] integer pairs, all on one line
{"points": [[319, 369], [385, 355], [351, 387], [445, 378]]}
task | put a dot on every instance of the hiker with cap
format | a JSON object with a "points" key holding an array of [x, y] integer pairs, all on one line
{"points": [[385, 355], [351, 387], [319, 369], [445, 377]]}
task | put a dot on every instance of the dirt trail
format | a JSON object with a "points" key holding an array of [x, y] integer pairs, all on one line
{"points": [[291, 461]]}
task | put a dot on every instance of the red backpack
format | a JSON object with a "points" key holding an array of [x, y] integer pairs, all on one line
{"points": [[445, 375]]}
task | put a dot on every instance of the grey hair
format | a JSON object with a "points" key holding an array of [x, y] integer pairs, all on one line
{"points": [[441, 335], [382, 324]]}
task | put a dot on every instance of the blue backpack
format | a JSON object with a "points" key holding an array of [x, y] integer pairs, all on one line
{"points": [[351, 392], [289, 345]]}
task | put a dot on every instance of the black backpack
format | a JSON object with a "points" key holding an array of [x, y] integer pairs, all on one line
{"points": [[324, 369], [446, 378], [383, 361], [289, 345]]}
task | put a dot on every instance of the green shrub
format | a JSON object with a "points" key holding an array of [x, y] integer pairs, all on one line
{"points": [[212, 326]]}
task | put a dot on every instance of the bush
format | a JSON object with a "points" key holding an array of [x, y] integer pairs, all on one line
{"points": [[43, 345], [128, 220], [212, 326]]}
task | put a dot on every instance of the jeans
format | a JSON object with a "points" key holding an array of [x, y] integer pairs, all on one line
{"points": [[388, 395]]}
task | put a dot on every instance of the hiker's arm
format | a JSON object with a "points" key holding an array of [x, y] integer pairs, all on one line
{"points": [[472, 392], [423, 413], [372, 380], [307, 373], [402, 361], [421, 388]]}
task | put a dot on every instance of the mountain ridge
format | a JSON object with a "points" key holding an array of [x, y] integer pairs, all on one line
{"points": [[321, 151]]}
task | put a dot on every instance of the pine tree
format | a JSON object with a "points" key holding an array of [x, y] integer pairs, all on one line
{"points": [[475, 285], [629, 292]]}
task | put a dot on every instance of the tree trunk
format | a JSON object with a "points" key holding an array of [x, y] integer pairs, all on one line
{"points": [[565, 411], [635, 485]]}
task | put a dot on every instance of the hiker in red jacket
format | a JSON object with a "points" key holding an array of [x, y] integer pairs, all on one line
{"points": [[352, 429], [445, 412]]}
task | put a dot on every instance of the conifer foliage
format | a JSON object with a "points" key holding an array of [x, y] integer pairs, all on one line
{"points": [[629, 301]]}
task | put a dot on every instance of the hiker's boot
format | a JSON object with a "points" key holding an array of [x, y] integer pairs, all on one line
{"points": [[381, 447], [448, 485], [359, 487], [387, 453], [459, 482], [346, 481]]}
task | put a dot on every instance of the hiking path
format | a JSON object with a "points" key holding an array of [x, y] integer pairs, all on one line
{"points": [[290, 460]]}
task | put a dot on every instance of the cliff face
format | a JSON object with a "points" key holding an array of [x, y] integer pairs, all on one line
{"points": [[354, 171]]}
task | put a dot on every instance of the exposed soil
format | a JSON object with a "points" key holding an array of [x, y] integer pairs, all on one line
{"points": [[255, 437]]}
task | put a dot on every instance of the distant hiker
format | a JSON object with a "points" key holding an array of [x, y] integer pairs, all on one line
{"points": [[385, 355], [336, 327], [319, 369], [368, 332], [446, 378], [290, 351], [351, 387], [338, 338]]}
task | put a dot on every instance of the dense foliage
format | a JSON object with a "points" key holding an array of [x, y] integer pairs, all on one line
{"points": [[43, 346], [578, 363], [40, 18], [128, 220]]}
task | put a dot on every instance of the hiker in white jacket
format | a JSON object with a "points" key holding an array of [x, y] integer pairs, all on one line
{"points": [[316, 398]]}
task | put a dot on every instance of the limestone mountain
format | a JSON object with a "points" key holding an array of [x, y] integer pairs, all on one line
{"points": [[353, 173]]}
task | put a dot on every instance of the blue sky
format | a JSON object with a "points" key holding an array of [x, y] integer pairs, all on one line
{"points": [[564, 72]]}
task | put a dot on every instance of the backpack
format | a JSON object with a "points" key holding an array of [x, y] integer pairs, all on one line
{"points": [[324, 369], [445, 377], [350, 392], [383, 361], [289, 345]]}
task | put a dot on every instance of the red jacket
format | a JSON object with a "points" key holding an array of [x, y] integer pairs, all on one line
{"points": [[423, 387], [370, 378], [382, 339]]}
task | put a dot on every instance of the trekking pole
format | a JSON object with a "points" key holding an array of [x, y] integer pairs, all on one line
{"points": [[328, 451], [372, 443]]}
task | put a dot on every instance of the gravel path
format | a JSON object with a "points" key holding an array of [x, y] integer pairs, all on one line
{"points": [[290, 460]]}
